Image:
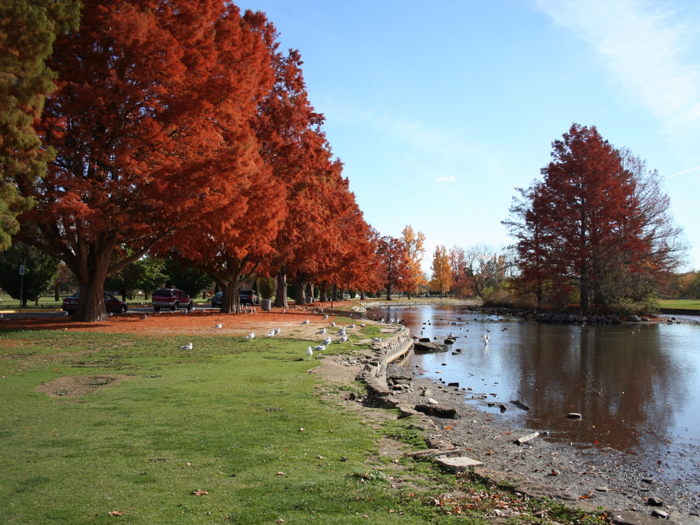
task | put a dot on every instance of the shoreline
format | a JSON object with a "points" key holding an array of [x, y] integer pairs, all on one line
{"points": [[541, 467]]}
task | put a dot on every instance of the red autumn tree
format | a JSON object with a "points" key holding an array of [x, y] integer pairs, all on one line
{"points": [[394, 269], [294, 146], [230, 241], [150, 124], [592, 223]]}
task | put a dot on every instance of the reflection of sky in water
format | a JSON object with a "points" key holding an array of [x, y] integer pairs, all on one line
{"points": [[637, 386]]}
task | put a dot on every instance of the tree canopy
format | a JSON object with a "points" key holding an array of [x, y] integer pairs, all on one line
{"points": [[28, 29], [598, 225]]}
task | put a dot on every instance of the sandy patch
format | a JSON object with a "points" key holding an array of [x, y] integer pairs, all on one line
{"points": [[76, 386]]}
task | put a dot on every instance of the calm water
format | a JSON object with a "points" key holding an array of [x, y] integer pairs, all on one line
{"points": [[636, 386]]}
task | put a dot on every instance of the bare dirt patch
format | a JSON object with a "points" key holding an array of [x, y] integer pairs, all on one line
{"points": [[77, 386]]}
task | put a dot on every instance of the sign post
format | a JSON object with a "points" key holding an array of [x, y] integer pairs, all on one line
{"points": [[21, 287]]}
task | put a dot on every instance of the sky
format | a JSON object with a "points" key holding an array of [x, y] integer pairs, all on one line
{"points": [[440, 110]]}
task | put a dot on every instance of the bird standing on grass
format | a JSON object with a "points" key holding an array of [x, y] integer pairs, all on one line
{"points": [[343, 339], [327, 341], [320, 348], [186, 347], [309, 352], [251, 335]]}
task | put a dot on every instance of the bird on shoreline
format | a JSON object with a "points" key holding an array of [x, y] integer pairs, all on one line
{"points": [[487, 338]]}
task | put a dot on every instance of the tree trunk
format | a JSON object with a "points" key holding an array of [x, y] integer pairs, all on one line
{"points": [[281, 292], [324, 288], [230, 298], [310, 291], [57, 293], [362, 295], [299, 298], [584, 292], [388, 292], [91, 307], [334, 292]]}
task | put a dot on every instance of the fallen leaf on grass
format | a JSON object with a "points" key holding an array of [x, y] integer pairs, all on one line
{"points": [[200, 492], [115, 513], [280, 473]]}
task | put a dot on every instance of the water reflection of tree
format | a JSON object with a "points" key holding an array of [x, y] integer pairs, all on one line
{"points": [[624, 385]]}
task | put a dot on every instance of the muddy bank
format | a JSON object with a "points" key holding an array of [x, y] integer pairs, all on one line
{"points": [[592, 478]]}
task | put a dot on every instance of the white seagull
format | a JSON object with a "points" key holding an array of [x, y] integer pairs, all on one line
{"points": [[251, 335], [487, 338], [325, 317], [321, 331], [377, 339], [309, 352], [220, 325], [343, 339], [271, 333], [186, 347], [277, 331], [362, 325], [327, 341], [305, 322], [341, 331], [320, 348], [333, 324], [351, 326]]}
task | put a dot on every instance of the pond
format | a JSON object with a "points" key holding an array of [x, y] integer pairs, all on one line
{"points": [[637, 386]]}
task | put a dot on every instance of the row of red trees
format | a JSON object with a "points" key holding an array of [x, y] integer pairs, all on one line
{"points": [[181, 129]]}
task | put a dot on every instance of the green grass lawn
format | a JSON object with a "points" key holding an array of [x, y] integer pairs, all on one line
{"points": [[244, 421], [682, 304]]}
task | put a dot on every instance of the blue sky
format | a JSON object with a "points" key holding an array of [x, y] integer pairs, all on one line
{"points": [[439, 110]]}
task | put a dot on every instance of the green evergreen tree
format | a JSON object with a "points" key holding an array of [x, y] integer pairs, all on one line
{"points": [[27, 32], [40, 272]]}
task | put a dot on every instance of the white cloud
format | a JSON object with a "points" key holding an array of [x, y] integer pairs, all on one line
{"points": [[644, 47], [446, 179]]}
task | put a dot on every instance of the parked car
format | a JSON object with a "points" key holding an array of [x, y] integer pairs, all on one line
{"points": [[172, 299], [112, 304], [246, 297]]}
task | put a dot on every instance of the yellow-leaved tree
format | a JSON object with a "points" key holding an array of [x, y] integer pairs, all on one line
{"points": [[415, 249], [442, 272]]}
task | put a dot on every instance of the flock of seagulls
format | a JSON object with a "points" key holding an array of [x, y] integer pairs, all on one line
{"points": [[342, 334]]}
